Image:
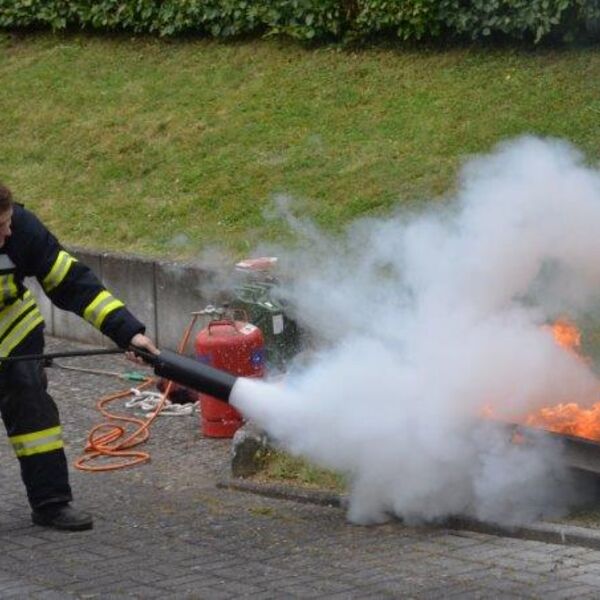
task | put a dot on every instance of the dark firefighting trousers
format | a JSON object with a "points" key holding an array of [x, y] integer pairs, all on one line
{"points": [[33, 426]]}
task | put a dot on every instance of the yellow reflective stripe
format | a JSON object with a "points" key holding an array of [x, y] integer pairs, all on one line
{"points": [[12, 312], [100, 307], [59, 270], [17, 335], [12, 286], [36, 435], [3, 288], [40, 449], [8, 288], [38, 442]]}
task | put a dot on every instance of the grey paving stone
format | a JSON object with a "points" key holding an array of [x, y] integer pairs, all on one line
{"points": [[576, 591], [51, 595], [213, 594], [21, 591], [592, 579], [301, 591]]}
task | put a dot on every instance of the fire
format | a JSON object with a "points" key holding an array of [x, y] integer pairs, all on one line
{"points": [[566, 334], [570, 419]]}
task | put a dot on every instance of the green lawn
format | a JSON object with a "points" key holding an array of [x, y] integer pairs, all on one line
{"points": [[280, 467], [164, 147]]}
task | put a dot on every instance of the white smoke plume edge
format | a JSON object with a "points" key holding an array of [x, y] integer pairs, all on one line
{"points": [[428, 319]]}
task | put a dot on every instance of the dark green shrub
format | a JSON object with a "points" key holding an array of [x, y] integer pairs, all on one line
{"points": [[315, 19], [408, 19], [304, 19], [512, 18]]}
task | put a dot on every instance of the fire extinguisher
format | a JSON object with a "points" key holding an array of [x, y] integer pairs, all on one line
{"points": [[234, 346]]}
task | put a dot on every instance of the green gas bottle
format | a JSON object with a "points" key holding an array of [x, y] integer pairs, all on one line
{"points": [[254, 294]]}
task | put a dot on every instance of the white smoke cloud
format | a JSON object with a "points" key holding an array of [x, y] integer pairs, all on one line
{"points": [[430, 318]]}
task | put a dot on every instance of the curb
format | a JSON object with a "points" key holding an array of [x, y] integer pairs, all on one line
{"points": [[284, 492], [550, 533]]}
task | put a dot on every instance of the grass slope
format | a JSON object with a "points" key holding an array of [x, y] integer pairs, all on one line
{"points": [[164, 147]]}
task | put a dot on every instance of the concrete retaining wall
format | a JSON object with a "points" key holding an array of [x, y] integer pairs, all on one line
{"points": [[160, 294]]}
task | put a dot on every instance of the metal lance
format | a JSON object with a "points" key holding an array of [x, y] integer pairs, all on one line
{"points": [[191, 373], [170, 365]]}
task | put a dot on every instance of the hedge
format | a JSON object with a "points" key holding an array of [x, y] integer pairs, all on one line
{"points": [[321, 20]]}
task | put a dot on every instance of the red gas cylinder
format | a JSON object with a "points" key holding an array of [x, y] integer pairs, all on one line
{"points": [[238, 348]]}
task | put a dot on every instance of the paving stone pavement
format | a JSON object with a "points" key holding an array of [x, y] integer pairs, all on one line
{"points": [[165, 530]]}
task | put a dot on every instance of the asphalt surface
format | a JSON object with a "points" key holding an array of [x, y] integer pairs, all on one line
{"points": [[164, 529]]}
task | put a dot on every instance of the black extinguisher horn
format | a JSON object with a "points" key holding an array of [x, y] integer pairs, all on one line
{"points": [[190, 373]]}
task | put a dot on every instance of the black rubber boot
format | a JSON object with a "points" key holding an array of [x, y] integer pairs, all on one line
{"points": [[62, 516]]}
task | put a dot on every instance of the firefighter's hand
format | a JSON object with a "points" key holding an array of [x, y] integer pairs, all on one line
{"points": [[145, 343]]}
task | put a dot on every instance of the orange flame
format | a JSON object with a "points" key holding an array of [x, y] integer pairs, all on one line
{"points": [[570, 419], [566, 334]]}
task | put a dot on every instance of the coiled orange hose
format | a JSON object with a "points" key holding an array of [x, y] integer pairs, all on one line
{"points": [[106, 439]]}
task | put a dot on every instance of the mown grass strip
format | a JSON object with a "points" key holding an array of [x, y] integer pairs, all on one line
{"points": [[166, 147], [279, 467]]}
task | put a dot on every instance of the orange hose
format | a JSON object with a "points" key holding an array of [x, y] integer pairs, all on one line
{"points": [[111, 442]]}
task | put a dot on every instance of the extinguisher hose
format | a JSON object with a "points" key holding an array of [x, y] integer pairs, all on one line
{"points": [[189, 372], [51, 355]]}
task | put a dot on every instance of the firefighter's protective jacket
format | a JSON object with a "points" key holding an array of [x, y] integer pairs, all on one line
{"points": [[32, 251]]}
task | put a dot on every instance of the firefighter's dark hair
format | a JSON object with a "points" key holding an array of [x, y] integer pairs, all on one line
{"points": [[6, 198]]}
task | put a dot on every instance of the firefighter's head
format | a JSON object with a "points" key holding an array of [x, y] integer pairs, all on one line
{"points": [[6, 211]]}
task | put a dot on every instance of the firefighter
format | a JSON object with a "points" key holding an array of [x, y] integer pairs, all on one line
{"points": [[28, 249]]}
